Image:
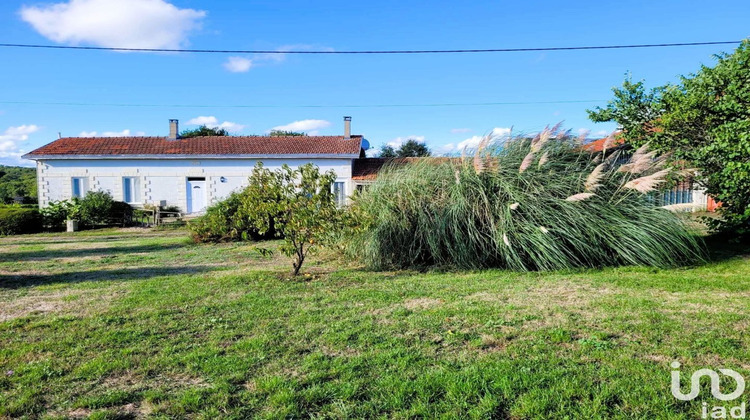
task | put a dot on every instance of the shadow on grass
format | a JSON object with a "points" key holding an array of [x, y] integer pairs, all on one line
{"points": [[723, 247], [10, 281], [49, 254]]}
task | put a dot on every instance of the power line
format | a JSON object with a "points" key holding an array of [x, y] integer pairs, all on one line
{"points": [[455, 51], [425, 105]]}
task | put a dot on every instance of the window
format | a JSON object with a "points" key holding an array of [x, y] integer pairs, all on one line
{"points": [[79, 187], [339, 193], [130, 189]]}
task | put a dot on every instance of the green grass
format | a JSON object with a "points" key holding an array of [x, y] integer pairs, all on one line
{"points": [[129, 323]]}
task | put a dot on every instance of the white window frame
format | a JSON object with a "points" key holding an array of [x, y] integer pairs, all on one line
{"points": [[340, 199], [133, 182], [82, 186]]}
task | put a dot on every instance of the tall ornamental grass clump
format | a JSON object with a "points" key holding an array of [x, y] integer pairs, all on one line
{"points": [[522, 204]]}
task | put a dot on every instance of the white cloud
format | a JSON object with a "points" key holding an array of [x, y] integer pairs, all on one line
{"points": [[460, 130], [291, 47], [123, 133], [213, 122], [398, 141], [497, 133], [207, 121], [10, 143], [238, 64], [306, 126], [108, 23], [445, 149]]}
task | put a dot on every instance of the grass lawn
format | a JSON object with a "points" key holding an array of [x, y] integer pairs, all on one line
{"points": [[134, 323]]}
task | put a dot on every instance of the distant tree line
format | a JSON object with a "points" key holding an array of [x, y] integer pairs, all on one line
{"points": [[206, 131], [410, 148], [17, 185]]}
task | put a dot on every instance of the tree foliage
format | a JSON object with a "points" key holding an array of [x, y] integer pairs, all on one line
{"points": [[387, 151], [284, 133], [17, 183], [204, 131], [410, 148], [703, 120]]}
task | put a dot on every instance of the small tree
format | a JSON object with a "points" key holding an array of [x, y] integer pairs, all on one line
{"points": [[413, 148], [387, 151], [294, 204], [204, 131]]}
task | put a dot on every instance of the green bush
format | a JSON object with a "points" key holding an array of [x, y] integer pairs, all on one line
{"points": [[524, 205], [96, 208], [224, 221], [56, 213], [121, 213], [18, 220]]}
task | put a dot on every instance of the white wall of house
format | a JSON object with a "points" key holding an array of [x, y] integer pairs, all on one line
{"points": [[165, 179]]}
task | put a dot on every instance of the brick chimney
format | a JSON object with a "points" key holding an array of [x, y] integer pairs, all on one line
{"points": [[174, 129], [347, 128]]}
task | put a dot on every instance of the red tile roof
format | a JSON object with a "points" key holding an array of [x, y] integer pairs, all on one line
{"points": [[205, 146], [367, 169], [598, 145]]}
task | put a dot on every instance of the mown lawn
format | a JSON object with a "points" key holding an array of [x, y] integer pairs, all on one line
{"points": [[131, 323]]}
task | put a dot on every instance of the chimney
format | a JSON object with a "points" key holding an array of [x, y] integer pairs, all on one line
{"points": [[347, 128], [174, 130]]}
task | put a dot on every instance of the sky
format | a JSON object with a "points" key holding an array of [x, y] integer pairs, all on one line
{"points": [[46, 93]]}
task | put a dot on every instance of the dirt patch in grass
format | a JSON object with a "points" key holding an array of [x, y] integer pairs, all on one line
{"points": [[63, 302], [79, 413], [421, 303], [487, 297]]}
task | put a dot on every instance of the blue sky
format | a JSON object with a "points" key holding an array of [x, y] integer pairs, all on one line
{"points": [[213, 86]]}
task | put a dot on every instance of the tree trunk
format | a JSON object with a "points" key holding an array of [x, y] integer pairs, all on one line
{"points": [[300, 259]]}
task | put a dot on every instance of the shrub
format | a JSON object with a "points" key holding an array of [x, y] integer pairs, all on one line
{"points": [[223, 222], [120, 213], [96, 208], [56, 213], [19, 220], [538, 204]]}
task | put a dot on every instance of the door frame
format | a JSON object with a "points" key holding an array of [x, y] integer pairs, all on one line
{"points": [[189, 193]]}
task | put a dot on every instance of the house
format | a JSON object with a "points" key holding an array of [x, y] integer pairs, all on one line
{"points": [[189, 173]]}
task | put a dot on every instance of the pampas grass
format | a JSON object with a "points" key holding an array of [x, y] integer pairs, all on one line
{"points": [[579, 197], [646, 184], [518, 216], [593, 181], [544, 159]]}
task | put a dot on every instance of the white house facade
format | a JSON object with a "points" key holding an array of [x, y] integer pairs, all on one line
{"points": [[189, 173]]}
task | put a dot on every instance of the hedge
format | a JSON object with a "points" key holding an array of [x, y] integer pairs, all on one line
{"points": [[19, 220]]}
